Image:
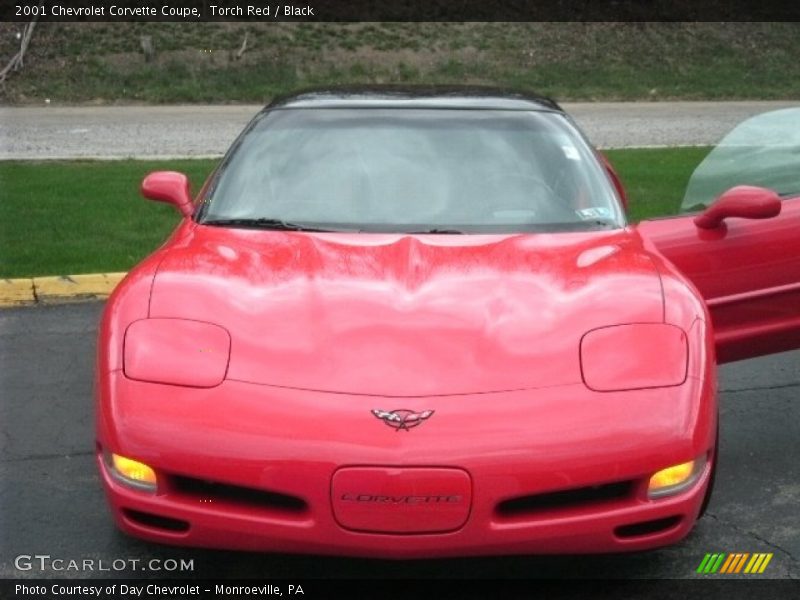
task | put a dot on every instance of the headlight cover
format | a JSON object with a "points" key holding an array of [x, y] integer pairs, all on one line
{"points": [[131, 472], [675, 479], [177, 352], [634, 356]]}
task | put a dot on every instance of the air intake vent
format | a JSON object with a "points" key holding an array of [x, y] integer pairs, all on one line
{"points": [[647, 527], [525, 505], [209, 491], [155, 521]]}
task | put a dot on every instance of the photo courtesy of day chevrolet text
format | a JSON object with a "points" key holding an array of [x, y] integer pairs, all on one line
{"points": [[155, 590], [77, 590]]}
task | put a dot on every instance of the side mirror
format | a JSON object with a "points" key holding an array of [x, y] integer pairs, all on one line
{"points": [[171, 187], [743, 201], [612, 174]]}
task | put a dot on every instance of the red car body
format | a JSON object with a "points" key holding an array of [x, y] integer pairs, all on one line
{"points": [[413, 395]]}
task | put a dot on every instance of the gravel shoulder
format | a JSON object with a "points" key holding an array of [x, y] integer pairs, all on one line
{"points": [[201, 131]]}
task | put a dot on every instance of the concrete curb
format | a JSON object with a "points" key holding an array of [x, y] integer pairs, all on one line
{"points": [[63, 288]]}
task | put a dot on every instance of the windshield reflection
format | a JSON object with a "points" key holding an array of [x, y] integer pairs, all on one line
{"points": [[415, 170]]}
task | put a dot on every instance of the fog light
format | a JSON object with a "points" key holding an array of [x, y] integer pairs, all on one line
{"points": [[675, 479], [131, 472]]}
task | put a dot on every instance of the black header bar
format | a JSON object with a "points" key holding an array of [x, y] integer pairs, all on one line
{"points": [[396, 10]]}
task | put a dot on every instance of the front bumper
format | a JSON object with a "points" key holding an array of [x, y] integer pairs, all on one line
{"points": [[513, 445]]}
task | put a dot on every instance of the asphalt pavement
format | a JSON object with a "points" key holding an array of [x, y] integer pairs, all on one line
{"points": [[52, 502], [162, 132]]}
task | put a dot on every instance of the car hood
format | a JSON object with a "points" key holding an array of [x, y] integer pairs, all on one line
{"points": [[404, 315]]}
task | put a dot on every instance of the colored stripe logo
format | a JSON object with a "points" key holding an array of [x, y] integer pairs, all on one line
{"points": [[738, 562]]}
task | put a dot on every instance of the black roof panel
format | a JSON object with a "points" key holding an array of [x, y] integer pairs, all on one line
{"points": [[386, 96]]}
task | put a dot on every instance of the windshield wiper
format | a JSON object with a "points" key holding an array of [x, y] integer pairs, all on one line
{"points": [[262, 223], [604, 223], [435, 230]]}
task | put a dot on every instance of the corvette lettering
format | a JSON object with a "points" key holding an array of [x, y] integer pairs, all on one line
{"points": [[378, 499]]}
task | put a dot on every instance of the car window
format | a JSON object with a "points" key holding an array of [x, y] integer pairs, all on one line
{"points": [[763, 151], [414, 170]]}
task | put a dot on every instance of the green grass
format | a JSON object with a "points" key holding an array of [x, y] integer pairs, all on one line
{"points": [[197, 62], [655, 178], [83, 217]]}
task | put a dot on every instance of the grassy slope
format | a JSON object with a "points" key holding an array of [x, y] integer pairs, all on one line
{"points": [[195, 62], [82, 217]]}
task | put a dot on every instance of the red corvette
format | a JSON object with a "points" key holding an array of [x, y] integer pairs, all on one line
{"points": [[416, 323]]}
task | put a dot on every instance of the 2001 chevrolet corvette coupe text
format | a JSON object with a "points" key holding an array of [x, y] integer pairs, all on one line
{"points": [[416, 323]]}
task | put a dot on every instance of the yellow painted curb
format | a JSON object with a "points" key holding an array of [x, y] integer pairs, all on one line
{"points": [[65, 288], [14, 292], [74, 287]]}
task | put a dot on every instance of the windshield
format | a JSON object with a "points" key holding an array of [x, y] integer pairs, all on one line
{"points": [[762, 151], [413, 170]]}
